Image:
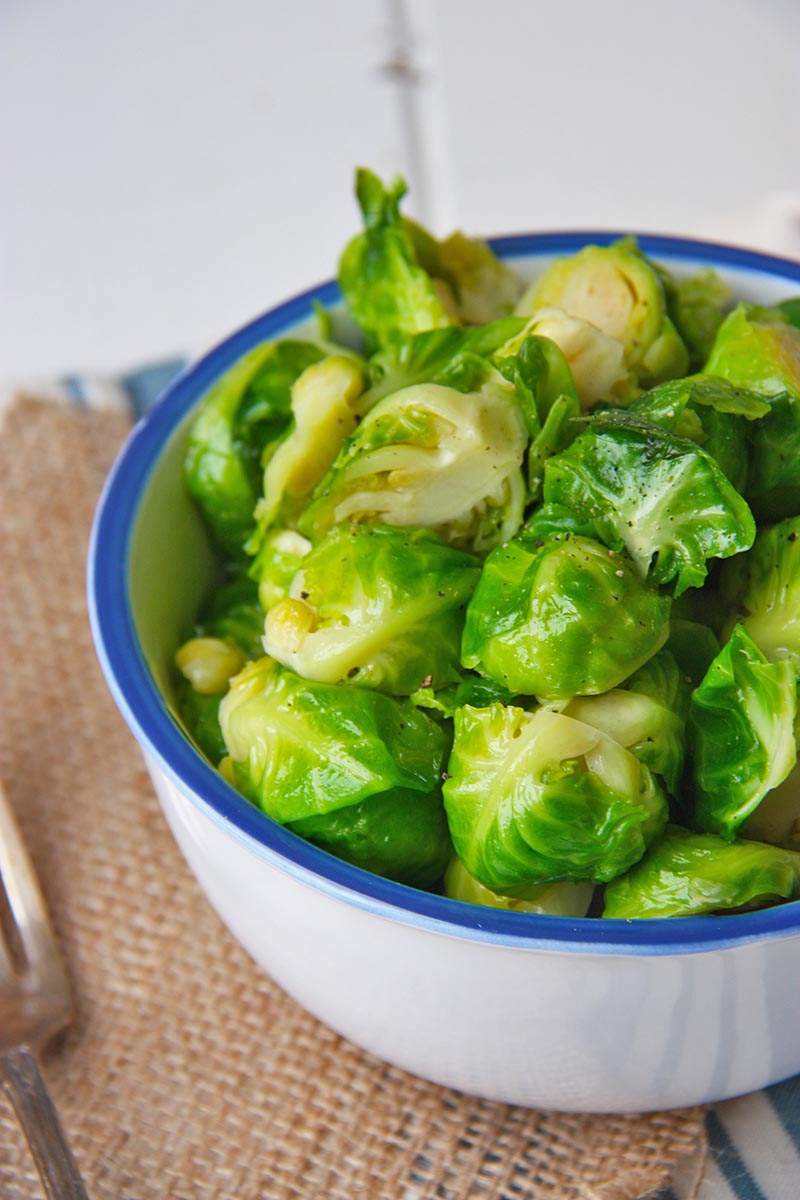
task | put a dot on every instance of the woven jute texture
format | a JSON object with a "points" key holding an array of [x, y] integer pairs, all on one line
{"points": [[188, 1073]]}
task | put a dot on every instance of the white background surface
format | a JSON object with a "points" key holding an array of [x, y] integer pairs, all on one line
{"points": [[173, 167]]}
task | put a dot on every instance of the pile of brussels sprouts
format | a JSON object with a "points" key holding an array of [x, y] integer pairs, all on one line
{"points": [[510, 596]]}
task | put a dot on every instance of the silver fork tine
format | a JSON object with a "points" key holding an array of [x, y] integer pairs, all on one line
{"points": [[34, 1003], [27, 905]]}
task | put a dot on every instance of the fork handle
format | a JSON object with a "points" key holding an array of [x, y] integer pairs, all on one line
{"points": [[36, 1113]]}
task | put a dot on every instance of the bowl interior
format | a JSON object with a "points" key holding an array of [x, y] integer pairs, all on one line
{"points": [[151, 568]]}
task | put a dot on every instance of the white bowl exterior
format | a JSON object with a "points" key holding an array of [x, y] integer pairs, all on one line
{"points": [[578, 1032]]}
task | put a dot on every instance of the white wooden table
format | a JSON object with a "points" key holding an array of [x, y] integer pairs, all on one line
{"points": [[172, 167]]}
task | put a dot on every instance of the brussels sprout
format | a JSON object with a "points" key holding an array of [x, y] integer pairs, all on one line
{"points": [[762, 589], [383, 285], [759, 350], [395, 277], [595, 359], [400, 834], [557, 899], [429, 456], [303, 749], [277, 562], [660, 496], [245, 410], [617, 290], [375, 605], [740, 733], [647, 716], [539, 797], [686, 874], [569, 618], [698, 306]]}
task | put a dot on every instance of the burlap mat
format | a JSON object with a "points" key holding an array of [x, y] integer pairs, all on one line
{"points": [[188, 1073]]}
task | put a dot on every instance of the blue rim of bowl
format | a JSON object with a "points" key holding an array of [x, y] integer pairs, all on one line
{"points": [[158, 734]]}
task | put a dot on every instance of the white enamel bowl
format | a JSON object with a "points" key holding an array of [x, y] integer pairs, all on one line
{"points": [[581, 1015]]}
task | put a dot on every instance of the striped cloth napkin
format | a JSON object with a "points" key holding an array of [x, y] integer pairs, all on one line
{"points": [[754, 1141]]}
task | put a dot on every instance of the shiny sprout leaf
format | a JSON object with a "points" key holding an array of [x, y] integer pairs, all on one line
{"points": [[661, 497], [566, 618], [376, 606], [740, 733], [665, 405], [687, 874], [301, 749], [538, 797], [400, 834]]}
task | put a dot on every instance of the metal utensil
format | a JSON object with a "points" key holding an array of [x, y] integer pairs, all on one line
{"points": [[35, 1003]]}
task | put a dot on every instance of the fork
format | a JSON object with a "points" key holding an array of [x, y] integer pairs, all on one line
{"points": [[35, 1004]]}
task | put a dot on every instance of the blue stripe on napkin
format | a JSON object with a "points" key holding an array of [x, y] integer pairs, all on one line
{"points": [[730, 1162], [74, 389], [144, 386], [785, 1098]]}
